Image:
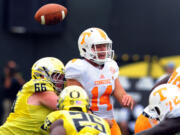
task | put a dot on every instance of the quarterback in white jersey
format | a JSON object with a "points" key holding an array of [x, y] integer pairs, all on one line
{"points": [[99, 83], [164, 105], [98, 74]]}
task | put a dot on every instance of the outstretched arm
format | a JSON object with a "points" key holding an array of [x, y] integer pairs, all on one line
{"points": [[46, 98], [120, 94], [49, 99]]}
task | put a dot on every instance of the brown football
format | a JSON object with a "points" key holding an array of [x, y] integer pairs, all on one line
{"points": [[50, 14]]}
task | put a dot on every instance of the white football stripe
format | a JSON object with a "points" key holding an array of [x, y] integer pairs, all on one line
{"points": [[63, 14], [43, 22]]}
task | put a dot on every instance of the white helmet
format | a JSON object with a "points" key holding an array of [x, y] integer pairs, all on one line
{"points": [[51, 69], [92, 37], [159, 101]]}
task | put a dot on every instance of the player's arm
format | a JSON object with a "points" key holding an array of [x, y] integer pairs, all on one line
{"points": [[70, 82], [120, 94], [57, 128], [49, 99], [46, 98], [166, 127]]}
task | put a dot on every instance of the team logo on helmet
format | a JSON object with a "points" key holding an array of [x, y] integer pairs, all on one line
{"points": [[73, 97], [74, 94]]}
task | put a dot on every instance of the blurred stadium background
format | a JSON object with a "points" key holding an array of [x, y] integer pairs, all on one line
{"points": [[145, 38]]}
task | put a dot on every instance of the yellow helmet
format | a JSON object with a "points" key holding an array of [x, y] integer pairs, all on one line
{"points": [[51, 69], [73, 97]]}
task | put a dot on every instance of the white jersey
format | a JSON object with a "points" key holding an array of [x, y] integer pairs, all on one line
{"points": [[99, 83], [174, 103], [175, 78], [169, 103]]}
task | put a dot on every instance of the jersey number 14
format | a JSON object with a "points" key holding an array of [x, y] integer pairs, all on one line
{"points": [[104, 99]]}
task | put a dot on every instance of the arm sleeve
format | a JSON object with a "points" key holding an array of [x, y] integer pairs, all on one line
{"points": [[73, 70], [166, 127], [115, 68], [51, 118]]}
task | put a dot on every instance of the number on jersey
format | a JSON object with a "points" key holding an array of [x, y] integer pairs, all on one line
{"points": [[39, 87], [104, 99], [81, 120]]}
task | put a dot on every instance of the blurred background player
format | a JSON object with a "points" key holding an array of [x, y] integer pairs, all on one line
{"points": [[171, 78], [169, 69], [164, 105], [12, 81], [73, 118], [36, 99], [98, 74]]}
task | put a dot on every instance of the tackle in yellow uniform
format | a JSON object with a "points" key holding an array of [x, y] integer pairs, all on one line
{"points": [[24, 115], [25, 118]]}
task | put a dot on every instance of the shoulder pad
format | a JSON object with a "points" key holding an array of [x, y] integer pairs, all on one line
{"points": [[35, 85], [74, 69]]}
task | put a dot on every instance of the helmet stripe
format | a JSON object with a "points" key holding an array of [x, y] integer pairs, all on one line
{"points": [[102, 33], [45, 71], [84, 35]]}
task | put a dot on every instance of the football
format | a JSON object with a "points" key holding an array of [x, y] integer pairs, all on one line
{"points": [[50, 14]]}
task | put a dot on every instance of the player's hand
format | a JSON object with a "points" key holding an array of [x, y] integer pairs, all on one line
{"points": [[127, 101]]}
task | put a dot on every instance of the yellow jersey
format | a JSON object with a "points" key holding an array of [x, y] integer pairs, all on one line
{"points": [[26, 119], [77, 123]]}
